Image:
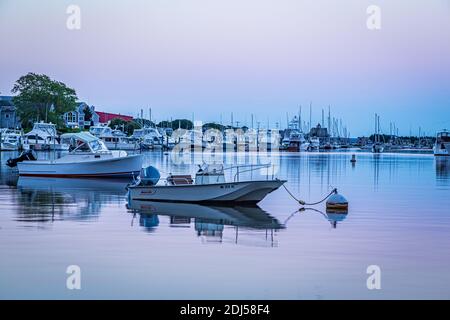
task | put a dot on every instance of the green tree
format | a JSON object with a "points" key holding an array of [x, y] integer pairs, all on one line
{"points": [[87, 113], [126, 126], [165, 124], [182, 123], [213, 125], [41, 98]]}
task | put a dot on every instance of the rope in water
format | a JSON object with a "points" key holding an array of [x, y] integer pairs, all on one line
{"points": [[303, 203]]}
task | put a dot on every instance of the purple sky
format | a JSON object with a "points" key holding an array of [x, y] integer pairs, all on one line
{"points": [[260, 57]]}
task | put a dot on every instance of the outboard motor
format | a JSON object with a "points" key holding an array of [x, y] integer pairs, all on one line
{"points": [[29, 155], [149, 176]]}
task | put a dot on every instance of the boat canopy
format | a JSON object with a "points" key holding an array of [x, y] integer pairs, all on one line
{"points": [[93, 142], [83, 136]]}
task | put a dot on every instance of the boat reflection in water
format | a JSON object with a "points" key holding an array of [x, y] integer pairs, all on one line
{"points": [[48, 199], [250, 223], [443, 170]]}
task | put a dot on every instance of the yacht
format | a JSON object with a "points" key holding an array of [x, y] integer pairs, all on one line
{"points": [[43, 136], [113, 139], [10, 140], [89, 157], [294, 140], [442, 144]]}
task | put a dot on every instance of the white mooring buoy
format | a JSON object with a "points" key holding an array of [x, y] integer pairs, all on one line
{"points": [[337, 202]]}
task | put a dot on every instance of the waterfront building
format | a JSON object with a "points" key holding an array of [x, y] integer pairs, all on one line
{"points": [[8, 115], [82, 118]]}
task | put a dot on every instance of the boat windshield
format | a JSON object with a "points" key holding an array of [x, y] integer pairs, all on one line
{"points": [[48, 128], [444, 136], [98, 146], [100, 130]]}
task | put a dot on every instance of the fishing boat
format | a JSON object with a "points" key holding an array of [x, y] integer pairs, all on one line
{"points": [[10, 140], [209, 186], [294, 140], [89, 157], [442, 144], [43, 137]]}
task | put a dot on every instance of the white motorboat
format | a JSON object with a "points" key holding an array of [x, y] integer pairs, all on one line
{"points": [[89, 158], [209, 187], [10, 140], [113, 139], [314, 144], [43, 136], [442, 144], [148, 138], [152, 139]]}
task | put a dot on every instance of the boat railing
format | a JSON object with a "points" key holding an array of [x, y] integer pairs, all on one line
{"points": [[250, 168]]}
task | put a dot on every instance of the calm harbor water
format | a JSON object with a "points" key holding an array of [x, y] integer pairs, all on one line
{"points": [[398, 219]]}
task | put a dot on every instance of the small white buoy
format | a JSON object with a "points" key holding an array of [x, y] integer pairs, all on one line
{"points": [[353, 160], [337, 202]]}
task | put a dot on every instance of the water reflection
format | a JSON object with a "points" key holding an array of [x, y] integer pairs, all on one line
{"points": [[443, 170], [332, 216], [47, 199], [209, 221]]}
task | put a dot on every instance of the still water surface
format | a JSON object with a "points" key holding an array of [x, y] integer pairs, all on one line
{"points": [[399, 219]]}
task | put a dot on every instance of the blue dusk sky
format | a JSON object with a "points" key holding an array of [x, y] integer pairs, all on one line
{"points": [[209, 58]]}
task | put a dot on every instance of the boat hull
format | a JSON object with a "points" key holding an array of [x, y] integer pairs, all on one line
{"points": [[5, 146], [442, 149], [246, 192], [117, 167]]}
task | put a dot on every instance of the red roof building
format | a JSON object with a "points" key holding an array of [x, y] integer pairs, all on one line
{"points": [[105, 117]]}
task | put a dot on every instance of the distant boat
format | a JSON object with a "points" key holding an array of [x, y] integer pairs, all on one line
{"points": [[152, 139], [113, 139], [378, 146], [43, 137], [10, 140], [89, 158], [294, 141], [314, 144], [442, 144]]}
